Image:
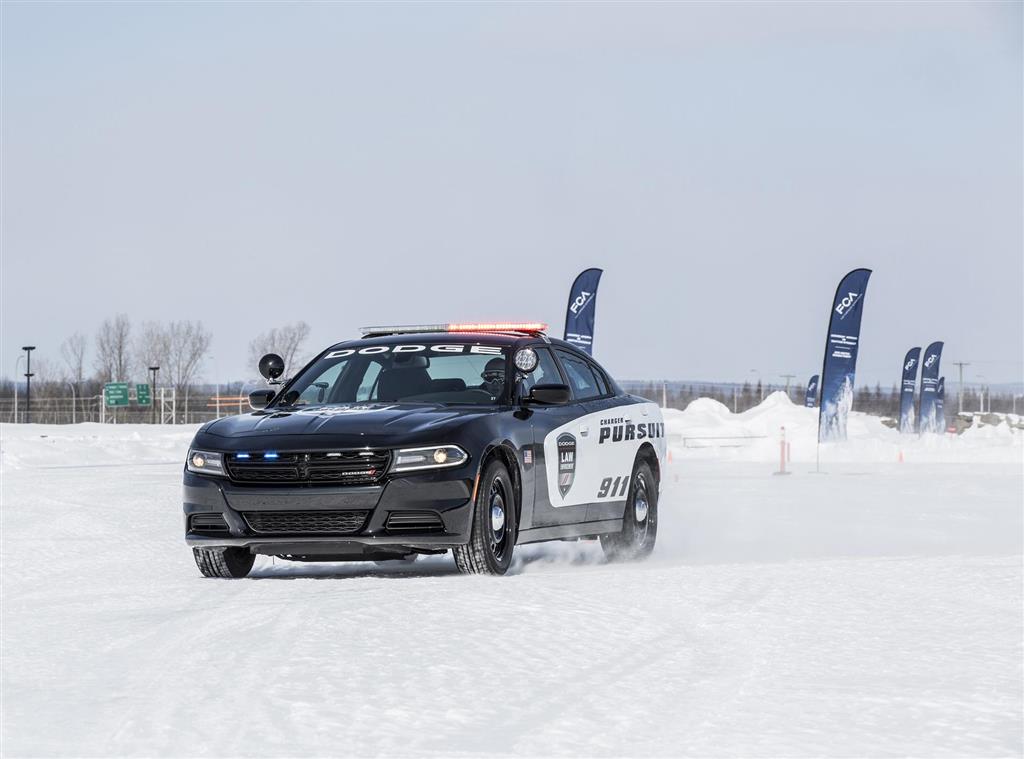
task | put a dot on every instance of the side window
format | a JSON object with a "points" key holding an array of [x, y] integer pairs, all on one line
{"points": [[546, 372], [602, 381], [581, 378]]}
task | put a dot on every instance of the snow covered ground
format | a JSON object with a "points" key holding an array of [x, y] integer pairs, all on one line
{"points": [[874, 610]]}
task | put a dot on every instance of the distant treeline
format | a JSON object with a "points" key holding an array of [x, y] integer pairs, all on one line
{"points": [[872, 400]]}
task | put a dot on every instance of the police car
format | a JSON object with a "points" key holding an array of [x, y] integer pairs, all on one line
{"points": [[471, 438]]}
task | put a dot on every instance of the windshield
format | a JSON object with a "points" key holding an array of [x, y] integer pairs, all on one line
{"points": [[447, 373]]}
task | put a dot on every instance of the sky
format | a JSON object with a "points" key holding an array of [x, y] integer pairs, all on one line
{"points": [[252, 164]]}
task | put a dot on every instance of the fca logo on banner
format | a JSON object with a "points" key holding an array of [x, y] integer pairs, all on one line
{"points": [[931, 360], [910, 364], [582, 300], [846, 304]]}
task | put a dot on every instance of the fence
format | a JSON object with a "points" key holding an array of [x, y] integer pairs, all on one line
{"points": [[168, 410]]}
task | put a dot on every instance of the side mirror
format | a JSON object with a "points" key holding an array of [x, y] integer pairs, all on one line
{"points": [[271, 366], [260, 398], [550, 395]]}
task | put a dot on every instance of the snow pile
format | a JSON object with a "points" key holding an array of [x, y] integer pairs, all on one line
{"points": [[708, 429]]}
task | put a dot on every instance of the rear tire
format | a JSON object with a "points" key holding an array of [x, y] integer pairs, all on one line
{"points": [[228, 562], [493, 536], [639, 521]]}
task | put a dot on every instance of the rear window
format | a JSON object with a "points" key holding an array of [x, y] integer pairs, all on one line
{"points": [[581, 377]]}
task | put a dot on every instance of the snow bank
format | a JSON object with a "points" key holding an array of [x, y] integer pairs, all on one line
{"points": [[873, 611], [90, 444], [708, 429]]}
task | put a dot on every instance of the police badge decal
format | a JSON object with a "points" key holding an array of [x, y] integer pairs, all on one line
{"points": [[566, 444]]}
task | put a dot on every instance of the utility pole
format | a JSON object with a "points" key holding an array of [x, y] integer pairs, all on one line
{"points": [[28, 381], [960, 386], [787, 377]]}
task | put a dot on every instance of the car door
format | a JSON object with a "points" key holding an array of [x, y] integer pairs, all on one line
{"points": [[606, 455], [554, 450], [621, 423]]}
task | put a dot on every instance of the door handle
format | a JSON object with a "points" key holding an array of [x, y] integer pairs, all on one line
{"points": [[584, 430]]}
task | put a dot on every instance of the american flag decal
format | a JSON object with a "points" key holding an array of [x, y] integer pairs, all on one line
{"points": [[528, 456]]}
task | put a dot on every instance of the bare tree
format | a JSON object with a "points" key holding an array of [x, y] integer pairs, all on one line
{"points": [[187, 344], [113, 349], [73, 352], [286, 341], [46, 377], [152, 348]]}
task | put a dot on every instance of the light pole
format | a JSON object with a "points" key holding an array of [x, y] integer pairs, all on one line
{"points": [[74, 401], [28, 382], [152, 392], [981, 395]]}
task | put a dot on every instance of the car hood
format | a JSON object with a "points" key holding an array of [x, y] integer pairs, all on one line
{"points": [[355, 424]]}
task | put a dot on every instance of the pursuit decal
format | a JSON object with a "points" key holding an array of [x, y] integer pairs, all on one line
{"points": [[619, 430]]}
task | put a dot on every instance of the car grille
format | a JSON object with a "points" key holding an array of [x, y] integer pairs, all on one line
{"points": [[414, 522], [305, 522], [360, 467]]}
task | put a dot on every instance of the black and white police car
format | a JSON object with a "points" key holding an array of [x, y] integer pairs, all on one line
{"points": [[418, 440]]}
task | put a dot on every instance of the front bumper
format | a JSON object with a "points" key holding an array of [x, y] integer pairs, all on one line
{"points": [[448, 494]]}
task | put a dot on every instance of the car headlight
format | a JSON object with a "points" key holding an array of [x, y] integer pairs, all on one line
{"points": [[429, 457], [205, 462]]}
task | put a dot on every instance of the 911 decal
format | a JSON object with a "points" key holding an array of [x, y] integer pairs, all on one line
{"points": [[616, 488]]}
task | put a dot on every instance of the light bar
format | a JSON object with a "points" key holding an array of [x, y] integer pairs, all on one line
{"points": [[499, 327], [415, 329]]}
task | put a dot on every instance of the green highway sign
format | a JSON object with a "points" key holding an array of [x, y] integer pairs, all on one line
{"points": [[115, 394], [142, 396]]}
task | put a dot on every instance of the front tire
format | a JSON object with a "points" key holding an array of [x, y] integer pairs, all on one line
{"points": [[639, 521], [228, 562], [493, 536]]}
